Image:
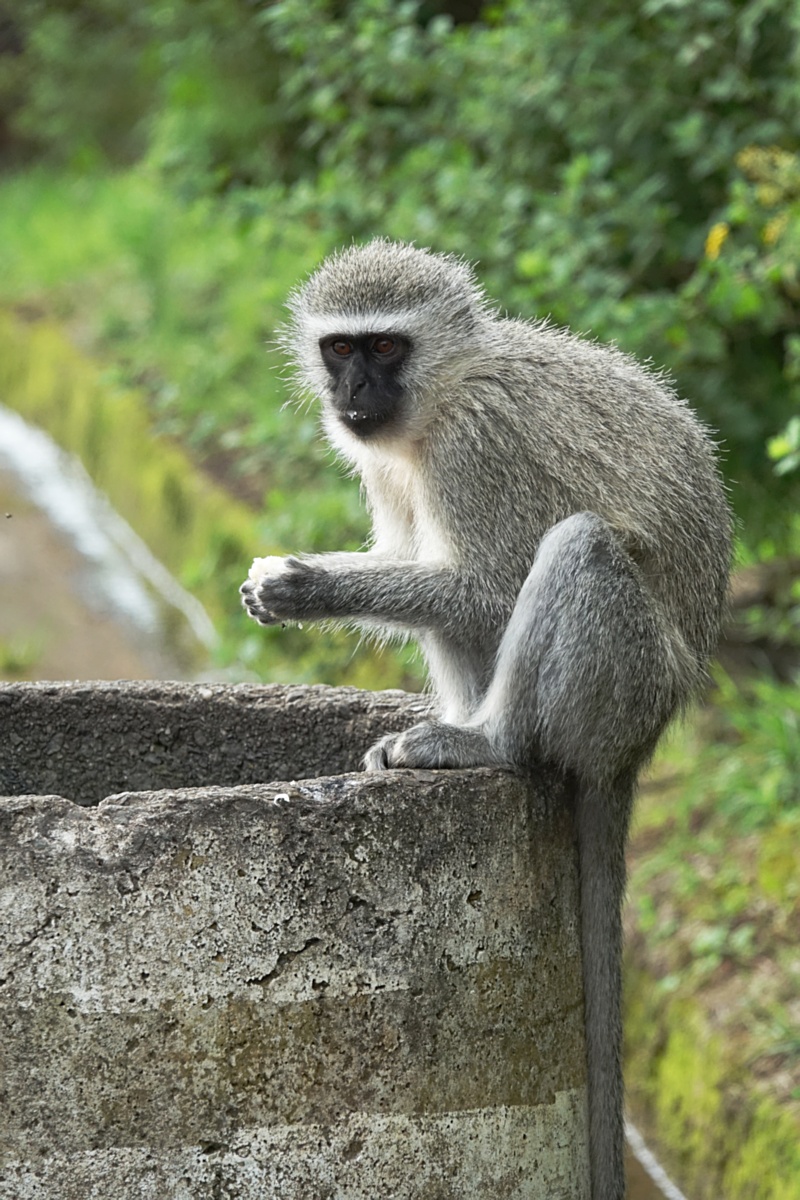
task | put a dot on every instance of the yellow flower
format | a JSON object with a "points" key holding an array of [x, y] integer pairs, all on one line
{"points": [[716, 236]]}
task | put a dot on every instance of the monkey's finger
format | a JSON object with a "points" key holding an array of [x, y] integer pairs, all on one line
{"points": [[266, 618], [256, 610]]}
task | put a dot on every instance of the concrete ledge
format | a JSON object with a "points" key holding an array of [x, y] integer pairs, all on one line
{"points": [[352, 986], [89, 740]]}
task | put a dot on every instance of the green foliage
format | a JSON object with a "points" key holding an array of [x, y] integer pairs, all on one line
{"points": [[756, 757], [742, 302], [747, 776], [695, 1085], [584, 155], [77, 81], [755, 253], [182, 298], [715, 905], [784, 449], [219, 118], [727, 835]]}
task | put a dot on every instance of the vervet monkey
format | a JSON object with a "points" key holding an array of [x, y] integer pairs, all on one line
{"points": [[550, 525]]}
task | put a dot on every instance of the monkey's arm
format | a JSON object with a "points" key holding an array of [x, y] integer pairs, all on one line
{"points": [[367, 586]]}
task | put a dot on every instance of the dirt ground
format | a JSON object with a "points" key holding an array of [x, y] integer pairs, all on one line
{"points": [[48, 629]]}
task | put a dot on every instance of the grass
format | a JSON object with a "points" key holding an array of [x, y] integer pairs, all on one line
{"points": [[19, 656], [714, 924], [182, 299]]}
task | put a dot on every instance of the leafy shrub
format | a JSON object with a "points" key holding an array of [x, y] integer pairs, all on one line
{"points": [[600, 162]]}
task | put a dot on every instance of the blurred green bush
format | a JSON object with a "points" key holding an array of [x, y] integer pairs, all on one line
{"points": [[584, 154], [171, 168]]}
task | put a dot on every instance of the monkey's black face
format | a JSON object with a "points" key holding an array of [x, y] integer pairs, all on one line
{"points": [[365, 372]]}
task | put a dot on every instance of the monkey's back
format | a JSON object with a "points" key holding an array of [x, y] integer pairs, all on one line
{"points": [[549, 424]]}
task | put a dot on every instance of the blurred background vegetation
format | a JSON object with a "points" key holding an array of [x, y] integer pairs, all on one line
{"points": [[630, 169], [169, 169]]}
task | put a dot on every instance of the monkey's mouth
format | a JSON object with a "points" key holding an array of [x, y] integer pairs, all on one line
{"points": [[363, 422]]}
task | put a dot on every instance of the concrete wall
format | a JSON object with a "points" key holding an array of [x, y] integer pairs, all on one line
{"points": [[353, 987]]}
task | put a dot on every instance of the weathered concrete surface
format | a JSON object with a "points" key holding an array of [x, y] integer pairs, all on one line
{"points": [[350, 987], [88, 740]]}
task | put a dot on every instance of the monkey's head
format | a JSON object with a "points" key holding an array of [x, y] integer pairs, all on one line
{"points": [[379, 332]]}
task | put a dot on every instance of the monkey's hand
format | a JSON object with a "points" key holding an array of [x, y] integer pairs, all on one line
{"points": [[277, 589], [431, 745]]}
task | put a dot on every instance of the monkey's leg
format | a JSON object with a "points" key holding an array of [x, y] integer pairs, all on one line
{"points": [[582, 676], [587, 676], [432, 744]]}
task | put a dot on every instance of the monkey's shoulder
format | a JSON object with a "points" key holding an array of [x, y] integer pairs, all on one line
{"points": [[560, 405], [577, 376], [540, 342]]}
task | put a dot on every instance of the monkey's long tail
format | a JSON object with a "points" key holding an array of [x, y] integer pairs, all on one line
{"points": [[603, 815]]}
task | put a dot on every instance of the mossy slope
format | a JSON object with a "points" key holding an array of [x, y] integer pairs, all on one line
{"points": [[694, 1095]]}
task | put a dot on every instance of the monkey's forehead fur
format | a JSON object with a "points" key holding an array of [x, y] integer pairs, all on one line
{"points": [[370, 284]]}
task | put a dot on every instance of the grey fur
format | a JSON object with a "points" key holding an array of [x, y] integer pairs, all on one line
{"points": [[549, 523]]}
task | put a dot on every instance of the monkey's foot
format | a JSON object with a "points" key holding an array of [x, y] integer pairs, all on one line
{"points": [[432, 745]]}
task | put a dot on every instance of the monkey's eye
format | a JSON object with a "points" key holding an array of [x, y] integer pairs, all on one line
{"points": [[383, 345], [342, 348]]}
